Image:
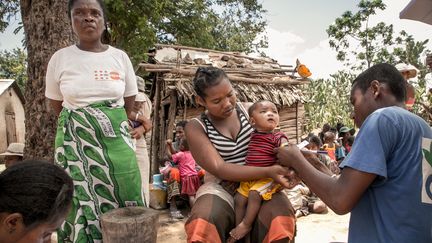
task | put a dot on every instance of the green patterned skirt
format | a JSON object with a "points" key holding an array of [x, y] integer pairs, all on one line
{"points": [[94, 146]]}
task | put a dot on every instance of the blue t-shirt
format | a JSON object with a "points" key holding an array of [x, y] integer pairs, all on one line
{"points": [[397, 207]]}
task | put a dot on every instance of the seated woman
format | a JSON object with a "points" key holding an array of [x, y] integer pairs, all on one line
{"points": [[35, 198], [219, 140]]}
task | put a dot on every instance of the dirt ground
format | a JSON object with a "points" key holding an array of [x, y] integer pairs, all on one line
{"points": [[314, 228]]}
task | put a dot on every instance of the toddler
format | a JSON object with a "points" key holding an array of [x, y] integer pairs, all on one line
{"points": [[189, 179], [264, 118]]}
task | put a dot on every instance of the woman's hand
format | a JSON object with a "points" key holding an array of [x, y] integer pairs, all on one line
{"points": [[137, 132], [132, 115]]}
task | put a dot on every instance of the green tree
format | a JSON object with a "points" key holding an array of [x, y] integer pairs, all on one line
{"points": [[229, 25], [360, 45], [134, 26], [354, 29], [13, 65], [328, 101], [8, 9]]}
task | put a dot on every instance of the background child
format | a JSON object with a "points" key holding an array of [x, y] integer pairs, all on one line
{"points": [[330, 145], [304, 201], [315, 144], [174, 146], [189, 179], [264, 118]]}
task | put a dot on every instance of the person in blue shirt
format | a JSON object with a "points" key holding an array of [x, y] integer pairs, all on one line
{"points": [[386, 180]]}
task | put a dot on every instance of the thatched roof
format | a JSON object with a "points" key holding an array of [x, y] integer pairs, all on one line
{"points": [[253, 78]]}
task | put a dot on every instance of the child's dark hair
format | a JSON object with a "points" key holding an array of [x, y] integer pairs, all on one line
{"points": [[315, 140], [206, 77], [181, 124], [38, 190], [329, 135], [352, 131], [339, 125], [351, 140], [254, 106], [184, 144], [333, 130], [383, 73], [161, 160]]}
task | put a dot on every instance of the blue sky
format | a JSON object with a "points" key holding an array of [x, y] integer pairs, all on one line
{"points": [[297, 29]]}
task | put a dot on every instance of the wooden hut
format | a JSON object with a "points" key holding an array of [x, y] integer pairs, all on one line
{"points": [[253, 79], [12, 127]]}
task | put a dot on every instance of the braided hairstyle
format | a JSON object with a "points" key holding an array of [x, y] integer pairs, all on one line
{"points": [[38, 190], [206, 77]]}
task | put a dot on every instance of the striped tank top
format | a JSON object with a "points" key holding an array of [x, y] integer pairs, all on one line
{"points": [[231, 151]]}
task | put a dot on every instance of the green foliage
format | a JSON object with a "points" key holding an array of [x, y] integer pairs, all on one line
{"points": [[355, 29], [136, 25], [233, 25], [13, 65], [329, 101], [352, 36], [8, 9]]}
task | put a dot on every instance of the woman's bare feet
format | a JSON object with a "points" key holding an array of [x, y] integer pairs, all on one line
{"points": [[239, 232]]}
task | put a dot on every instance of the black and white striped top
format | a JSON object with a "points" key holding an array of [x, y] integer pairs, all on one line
{"points": [[231, 151]]}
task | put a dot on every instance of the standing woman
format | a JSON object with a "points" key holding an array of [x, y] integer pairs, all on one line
{"points": [[92, 86], [142, 107], [219, 140], [408, 71]]}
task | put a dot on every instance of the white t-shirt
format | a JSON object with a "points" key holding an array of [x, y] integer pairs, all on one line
{"points": [[79, 78]]}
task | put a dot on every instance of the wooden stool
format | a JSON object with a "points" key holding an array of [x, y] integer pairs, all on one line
{"points": [[130, 224]]}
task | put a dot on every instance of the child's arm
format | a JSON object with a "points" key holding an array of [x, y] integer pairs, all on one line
{"points": [[170, 147]]}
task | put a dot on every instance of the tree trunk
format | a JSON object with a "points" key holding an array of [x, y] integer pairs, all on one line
{"points": [[47, 29], [130, 224]]}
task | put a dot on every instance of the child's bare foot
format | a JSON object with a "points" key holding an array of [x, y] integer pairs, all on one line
{"points": [[239, 232]]}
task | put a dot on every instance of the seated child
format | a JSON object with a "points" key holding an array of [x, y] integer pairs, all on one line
{"points": [[304, 201], [189, 179], [264, 118]]}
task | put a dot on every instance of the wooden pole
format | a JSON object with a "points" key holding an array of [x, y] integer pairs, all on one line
{"points": [[297, 133], [130, 224], [152, 67], [172, 114], [178, 47], [156, 128]]}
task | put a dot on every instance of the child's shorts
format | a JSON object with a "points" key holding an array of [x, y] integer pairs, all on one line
{"points": [[265, 187]]}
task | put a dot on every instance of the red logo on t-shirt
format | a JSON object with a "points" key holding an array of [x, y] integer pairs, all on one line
{"points": [[114, 75], [101, 75]]}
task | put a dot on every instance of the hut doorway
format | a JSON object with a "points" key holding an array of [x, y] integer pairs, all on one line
{"points": [[11, 135]]}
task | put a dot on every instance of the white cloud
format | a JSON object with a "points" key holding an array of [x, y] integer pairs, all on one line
{"points": [[282, 46], [321, 60], [285, 46]]}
